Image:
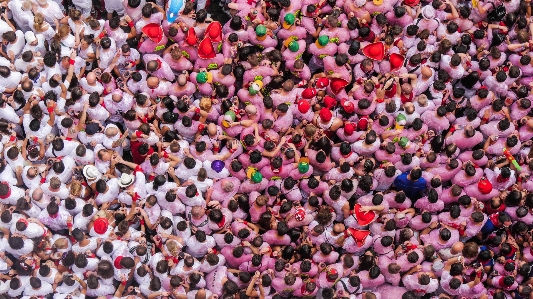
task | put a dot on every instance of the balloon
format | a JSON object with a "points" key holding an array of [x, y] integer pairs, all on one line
{"points": [[175, 7]]}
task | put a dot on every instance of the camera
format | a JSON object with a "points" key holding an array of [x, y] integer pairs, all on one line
{"points": [[2, 9]]}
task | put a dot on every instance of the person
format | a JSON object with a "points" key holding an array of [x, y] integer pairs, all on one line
{"points": [[411, 183], [302, 149]]}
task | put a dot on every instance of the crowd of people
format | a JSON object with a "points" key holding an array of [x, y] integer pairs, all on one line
{"points": [[304, 149]]}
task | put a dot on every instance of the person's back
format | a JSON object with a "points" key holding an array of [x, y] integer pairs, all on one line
{"points": [[412, 183]]}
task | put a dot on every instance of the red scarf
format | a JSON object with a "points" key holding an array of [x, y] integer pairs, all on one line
{"points": [[8, 192], [222, 222], [276, 171]]}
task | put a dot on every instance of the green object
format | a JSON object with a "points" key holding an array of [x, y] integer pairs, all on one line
{"points": [[404, 141], [260, 30], [303, 167], [401, 118], [294, 46], [289, 18], [201, 77], [323, 40], [253, 89], [231, 114], [257, 177]]}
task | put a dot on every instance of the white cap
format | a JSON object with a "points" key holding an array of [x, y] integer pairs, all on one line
{"points": [[428, 12], [30, 37], [90, 172], [125, 180]]}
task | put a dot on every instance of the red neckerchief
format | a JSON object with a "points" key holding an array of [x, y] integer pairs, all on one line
{"points": [[159, 64], [117, 262], [222, 222], [8, 192], [347, 155], [494, 219], [276, 171], [54, 216], [501, 179]]}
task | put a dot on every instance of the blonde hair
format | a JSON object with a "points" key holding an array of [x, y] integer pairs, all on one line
{"points": [[205, 104], [172, 248], [62, 31], [26, 5], [75, 188], [60, 243], [38, 21]]}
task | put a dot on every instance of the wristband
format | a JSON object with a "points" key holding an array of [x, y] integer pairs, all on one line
{"points": [[452, 129], [197, 110], [69, 224], [346, 234], [142, 221], [135, 197], [216, 149], [478, 274], [123, 283], [133, 63], [68, 138], [151, 178], [102, 34], [43, 180], [245, 222], [71, 61], [35, 139], [519, 179], [138, 134], [232, 150], [137, 169], [130, 24], [50, 109]]}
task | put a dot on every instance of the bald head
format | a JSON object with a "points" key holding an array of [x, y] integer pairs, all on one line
{"points": [[152, 66], [111, 131], [152, 82], [116, 97], [251, 109], [91, 78], [201, 294], [37, 194], [458, 247], [182, 80], [426, 72], [211, 129]]}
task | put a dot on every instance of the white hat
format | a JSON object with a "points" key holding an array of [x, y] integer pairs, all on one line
{"points": [[359, 3], [30, 37], [428, 12], [90, 172], [437, 265], [125, 180], [42, 2]]}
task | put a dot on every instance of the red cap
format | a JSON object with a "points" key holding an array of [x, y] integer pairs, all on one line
{"points": [[309, 93], [329, 102], [206, 49], [322, 82], [359, 235], [363, 218], [191, 38], [484, 186], [396, 61], [337, 85], [348, 106], [100, 225], [214, 32], [363, 123], [412, 3], [303, 106], [349, 128], [375, 51], [154, 32], [325, 114]]}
